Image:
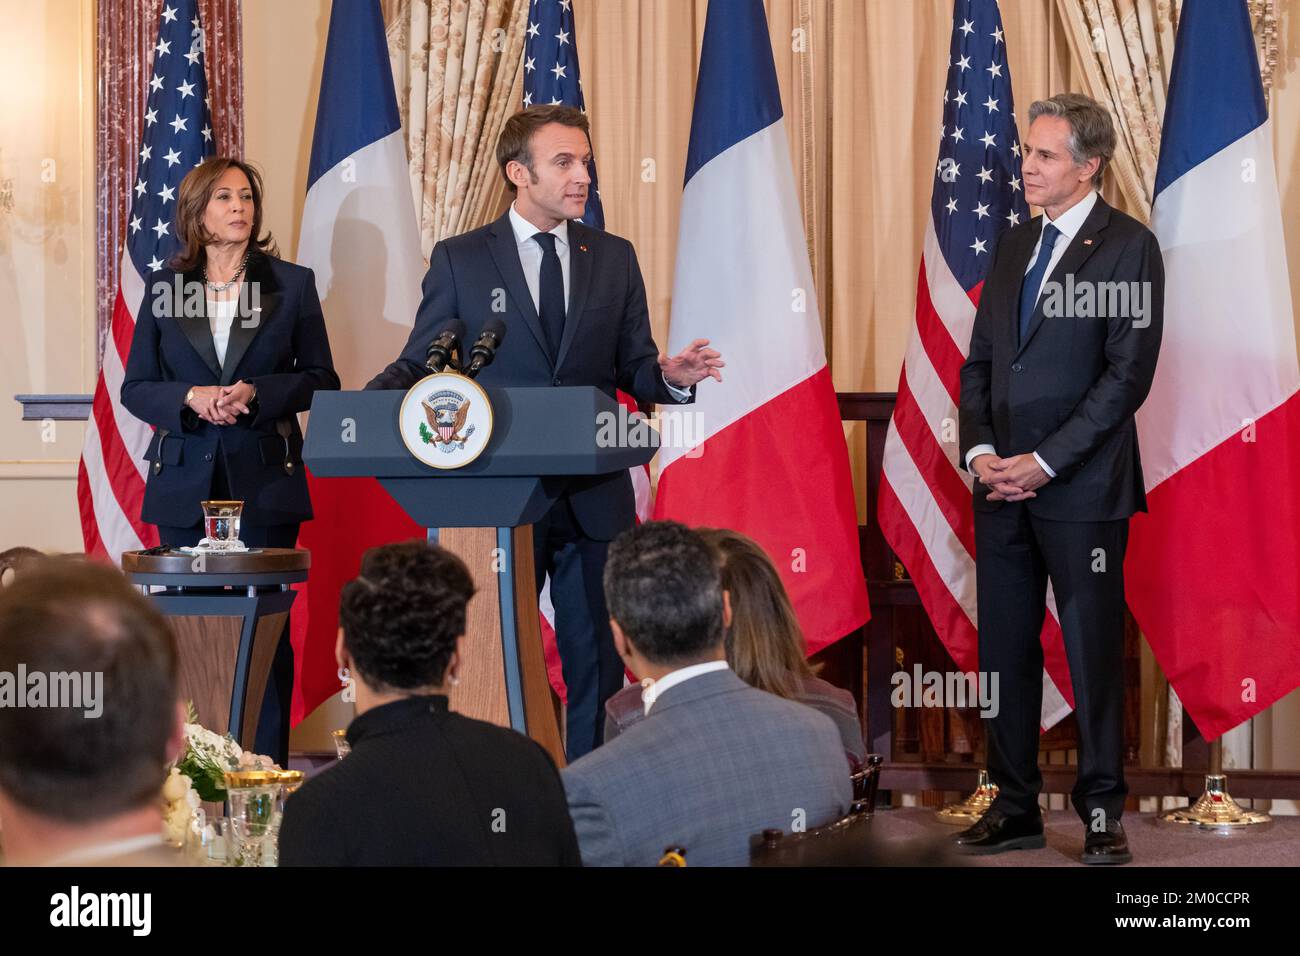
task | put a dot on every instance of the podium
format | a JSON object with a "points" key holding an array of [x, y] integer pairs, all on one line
{"points": [[227, 612], [541, 438]]}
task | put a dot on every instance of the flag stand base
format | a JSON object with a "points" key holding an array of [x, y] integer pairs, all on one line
{"points": [[966, 812], [1215, 810]]}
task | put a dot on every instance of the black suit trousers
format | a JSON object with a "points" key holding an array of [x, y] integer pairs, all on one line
{"points": [[593, 671], [1016, 553]]}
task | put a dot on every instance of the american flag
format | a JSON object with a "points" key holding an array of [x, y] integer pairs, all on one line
{"points": [[177, 136], [924, 505], [551, 74]]}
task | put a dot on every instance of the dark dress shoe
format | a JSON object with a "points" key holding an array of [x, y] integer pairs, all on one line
{"points": [[996, 832], [1108, 846]]}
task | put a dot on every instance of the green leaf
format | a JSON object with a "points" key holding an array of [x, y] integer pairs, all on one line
{"points": [[208, 779]]}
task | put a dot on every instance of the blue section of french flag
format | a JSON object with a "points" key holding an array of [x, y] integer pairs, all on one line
{"points": [[773, 462], [1215, 95], [358, 105], [1213, 570], [736, 94]]}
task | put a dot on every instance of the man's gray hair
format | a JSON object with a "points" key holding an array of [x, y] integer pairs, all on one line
{"points": [[1092, 132]]}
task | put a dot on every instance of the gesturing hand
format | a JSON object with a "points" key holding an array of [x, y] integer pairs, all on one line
{"points": [[693, 364]]}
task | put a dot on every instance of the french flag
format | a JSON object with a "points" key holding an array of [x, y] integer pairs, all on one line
{"points": [[773, 463], [360, 235], [1213, 569]]}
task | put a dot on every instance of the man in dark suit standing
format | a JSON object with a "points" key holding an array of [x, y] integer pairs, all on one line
{"points": [[574, 304], [1062, 355]]}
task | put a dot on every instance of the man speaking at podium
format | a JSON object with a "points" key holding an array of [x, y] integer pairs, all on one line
{"points": [[573, 302]]}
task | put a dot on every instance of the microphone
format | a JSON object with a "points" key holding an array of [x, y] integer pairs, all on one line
{"points": [[485, 349], [447, 341]]}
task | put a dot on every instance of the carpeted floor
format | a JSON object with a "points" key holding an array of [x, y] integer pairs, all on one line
{"points": [[913, 832]]}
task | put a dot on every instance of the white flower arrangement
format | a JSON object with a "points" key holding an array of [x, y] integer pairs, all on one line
{"points": [[200, 775], [209, 755]]}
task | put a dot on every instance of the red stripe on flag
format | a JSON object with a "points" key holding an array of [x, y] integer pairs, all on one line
{"points": [[123, 477], [945, 354], [780, 475], [120, 476], [950, 492], [94, 545], [351, 515], [122, 327], [954, 628], [554, 666], [1213, 574]]}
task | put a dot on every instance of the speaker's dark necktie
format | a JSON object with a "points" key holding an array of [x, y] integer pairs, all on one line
{"points": [[550, 294], [1034, 278]]}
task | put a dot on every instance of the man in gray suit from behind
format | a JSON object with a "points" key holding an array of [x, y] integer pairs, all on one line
{"points": [[715, 760]]}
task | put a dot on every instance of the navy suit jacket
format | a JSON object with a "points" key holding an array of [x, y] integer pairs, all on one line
{"points": [[1071, 389], [283, 351], [606, 343]]}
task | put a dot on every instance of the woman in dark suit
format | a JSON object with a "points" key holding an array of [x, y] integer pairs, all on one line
{"points": [[229, 346]]}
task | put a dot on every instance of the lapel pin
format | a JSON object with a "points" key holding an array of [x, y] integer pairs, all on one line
{"points": [[1087, 242], [583, 248]]}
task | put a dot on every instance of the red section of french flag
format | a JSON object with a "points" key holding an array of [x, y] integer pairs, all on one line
{"points": [[351, 515], [1228, 634], [793, 497]]}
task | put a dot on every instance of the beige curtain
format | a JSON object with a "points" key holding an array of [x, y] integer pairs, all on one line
{"points": [[457, 65], [1125, 52]]}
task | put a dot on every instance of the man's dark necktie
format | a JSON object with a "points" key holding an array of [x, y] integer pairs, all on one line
{"points": [[1034, 278], [550, 294]]}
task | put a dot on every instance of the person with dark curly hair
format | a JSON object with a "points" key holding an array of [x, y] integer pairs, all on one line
{"points": [[423, 786]]}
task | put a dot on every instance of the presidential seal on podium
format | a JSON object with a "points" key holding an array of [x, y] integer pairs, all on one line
{"points": [[445, 420]]}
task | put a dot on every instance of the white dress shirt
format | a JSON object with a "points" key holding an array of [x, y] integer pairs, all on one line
{"points": [[530, 257], [221, 316], [530, 254], [681, 675], [1069, 223], [116, 849]]}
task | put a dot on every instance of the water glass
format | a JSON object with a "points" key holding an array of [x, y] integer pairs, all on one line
{"points": [[221, 524]]}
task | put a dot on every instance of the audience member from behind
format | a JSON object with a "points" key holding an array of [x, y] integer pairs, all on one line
{"points": [[422, 785], [764, 644], [82, 762], [715, 760]]}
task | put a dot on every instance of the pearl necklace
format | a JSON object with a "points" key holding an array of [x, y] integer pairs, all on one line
{"points": [[223, 286]]}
